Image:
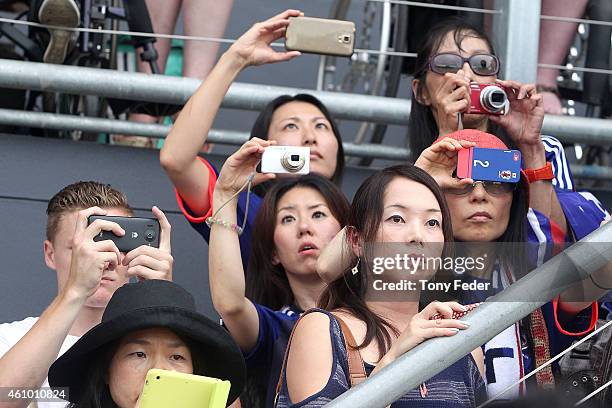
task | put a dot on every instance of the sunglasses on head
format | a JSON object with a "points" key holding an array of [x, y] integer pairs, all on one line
{"points": [[481, 64], [495, 188]]}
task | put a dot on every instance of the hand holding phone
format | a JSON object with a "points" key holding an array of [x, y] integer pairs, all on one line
{"points": [[440, 161], [89, 259], [489, 164], [146, 244], [138, 231], [253, 47], [320, 36], [149, 262]]}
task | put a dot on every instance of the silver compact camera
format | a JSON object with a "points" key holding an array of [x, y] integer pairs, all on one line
{"points": [[286, 159]]}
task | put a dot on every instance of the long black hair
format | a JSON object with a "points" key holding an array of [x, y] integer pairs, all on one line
{"points": [[262, 126], [97, 393], [422, 127], [348, 293], [513, 254], [267, 283]]}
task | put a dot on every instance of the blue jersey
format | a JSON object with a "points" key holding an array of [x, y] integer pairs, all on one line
{"points": [[584, 212], [561, 169], [543, 231], [501, 365], [265, 360]]}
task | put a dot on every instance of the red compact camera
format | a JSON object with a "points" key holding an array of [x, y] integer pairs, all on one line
{"points": [[488, 99]]}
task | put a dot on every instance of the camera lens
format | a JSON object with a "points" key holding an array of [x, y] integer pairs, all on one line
{"points": [[346, 39], [149, 235], [493, 99], [497, 97], [292, 162]]}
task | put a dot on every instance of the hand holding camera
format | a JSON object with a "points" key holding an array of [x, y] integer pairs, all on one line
{"points": [[241, 165], [524, 121], [448, 100], [237, 169]]}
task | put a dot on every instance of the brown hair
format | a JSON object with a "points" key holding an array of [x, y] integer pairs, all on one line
{"points": [[81, 195], [267, 283], [348, 292]]}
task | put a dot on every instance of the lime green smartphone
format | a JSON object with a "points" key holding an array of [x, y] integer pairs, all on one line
{"points": [[165, 389]]}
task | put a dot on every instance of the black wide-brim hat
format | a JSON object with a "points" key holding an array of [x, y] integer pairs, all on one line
{"points": [[152, 303]]}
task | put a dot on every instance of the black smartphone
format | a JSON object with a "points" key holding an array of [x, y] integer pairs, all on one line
{"points": [[138, 231]]}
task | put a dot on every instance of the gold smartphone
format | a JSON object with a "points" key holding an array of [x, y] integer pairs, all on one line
{"points": [[320, 36]]}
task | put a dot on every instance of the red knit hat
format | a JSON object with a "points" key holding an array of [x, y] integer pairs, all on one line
{"points": [[482, 139]]}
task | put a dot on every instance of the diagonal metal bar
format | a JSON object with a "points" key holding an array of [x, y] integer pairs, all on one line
{"points": [[492, 317]]}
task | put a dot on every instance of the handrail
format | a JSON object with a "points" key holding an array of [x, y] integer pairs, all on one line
{"points": [[228, 137], [165, 89], [176, 90]]}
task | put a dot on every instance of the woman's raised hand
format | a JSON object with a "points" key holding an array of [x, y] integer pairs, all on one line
{"points": [[440, 161], [450, 99], [524, 122], [240, 165], [253, 47], [422, 327]]}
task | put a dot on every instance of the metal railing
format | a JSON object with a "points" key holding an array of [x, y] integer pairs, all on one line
{"points": [[516, 26], [489, 319], [228, 137], [177, 90]]}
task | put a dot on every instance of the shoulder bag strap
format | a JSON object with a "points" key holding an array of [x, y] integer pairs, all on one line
{"points": [[357, 373], [355, 363]]}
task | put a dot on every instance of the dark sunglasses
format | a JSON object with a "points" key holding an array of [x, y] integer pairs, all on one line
{"points": [[481, 64], [495, 188]]}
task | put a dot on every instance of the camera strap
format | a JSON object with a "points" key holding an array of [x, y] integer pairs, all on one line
{"points": [[248, 185]]}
